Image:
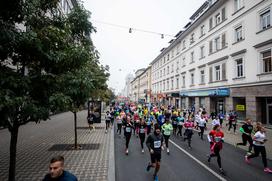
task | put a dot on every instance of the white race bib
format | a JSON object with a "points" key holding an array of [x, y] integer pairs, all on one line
{"points": [[157, 144], [142, 130], [128, 129]]}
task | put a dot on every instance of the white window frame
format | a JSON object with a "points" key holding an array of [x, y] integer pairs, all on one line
{"points": [[183, 80], [192, 54], [202, 76], [217, 43], [238, 4], [218, 19], [236, 37], [202, 51], [268, 23], [192, 78], [216, 77], [202, 30], [261, 59], [177, 82], [236, 59]]}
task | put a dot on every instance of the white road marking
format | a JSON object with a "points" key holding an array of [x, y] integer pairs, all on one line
{"points": [[199, 162]]}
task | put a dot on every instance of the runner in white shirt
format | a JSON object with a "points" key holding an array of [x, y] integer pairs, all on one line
{"points": [[259, 140]]}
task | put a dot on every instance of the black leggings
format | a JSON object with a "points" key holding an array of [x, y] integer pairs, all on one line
{"points": [[201, 133], [257, 151], [166, 137], [234, 126], [179, 130], [142, 139], [107, 124], [188, 133], [119, 128], [128, 135], [217, 154], [246, 138]]}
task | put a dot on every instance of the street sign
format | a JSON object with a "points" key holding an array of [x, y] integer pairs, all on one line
{"points": [[240, 107]]}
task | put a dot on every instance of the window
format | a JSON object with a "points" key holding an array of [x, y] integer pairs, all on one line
{"points": [[167, 86], [183, 61], [237, 5], [168, 56], [160, 73], [266, 59], [211, 23], [239, 68], [172, 70], [202, 76], [163, 59], [202, 52], [183, 81], [168, 70], [183, 44], [202, 30], [217, 73], [178, 47], [192, 57], [172, 84], [192, 79], [265, 19], [177, 69], [218, 19], [164, 72], [238, 34], [177, 83], [192, 40], [163, 85], [217, 43], [210, 46], [172, 52]]}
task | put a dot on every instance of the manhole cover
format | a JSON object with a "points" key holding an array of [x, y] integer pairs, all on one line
{"points": [[68, 147]]}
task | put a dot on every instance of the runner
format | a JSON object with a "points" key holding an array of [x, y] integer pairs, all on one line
{"points": [[119, 124], [167, 128], [232, 122], [215, 121], [216, 139], [108, 120], [90, 120], [149, 123], [154, 144], [112, 116], [180, 120], [127, 131], [188, 125], [174, 123], [246, 131], [202, 125], [259, 147], [221, 118], [142, 132]]}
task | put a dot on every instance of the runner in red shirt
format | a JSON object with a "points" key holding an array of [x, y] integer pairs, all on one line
{"points": [[216, 139]]}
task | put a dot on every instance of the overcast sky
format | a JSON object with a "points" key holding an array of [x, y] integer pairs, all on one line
{"points": [[126, 52]]}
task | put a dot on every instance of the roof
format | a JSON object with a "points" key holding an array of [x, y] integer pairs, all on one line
{"points": [[204, 5]]}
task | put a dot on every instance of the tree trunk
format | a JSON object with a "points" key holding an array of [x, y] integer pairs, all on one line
{"points": [[12, 151], [75, 125]]}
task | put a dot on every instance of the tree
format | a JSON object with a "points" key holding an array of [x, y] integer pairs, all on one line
{"points": [[38, 47]]}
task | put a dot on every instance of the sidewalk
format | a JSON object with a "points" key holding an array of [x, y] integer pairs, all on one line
{"points": [[232, 138], [37, 143]]}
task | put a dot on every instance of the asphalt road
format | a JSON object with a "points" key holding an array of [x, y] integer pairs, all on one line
{"points": [[181, 166]]}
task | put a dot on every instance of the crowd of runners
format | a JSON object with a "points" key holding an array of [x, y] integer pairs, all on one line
{"points": [[154, 125]]}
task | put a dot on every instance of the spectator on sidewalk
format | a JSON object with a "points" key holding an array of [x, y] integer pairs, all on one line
{"points": [[57, 172]]}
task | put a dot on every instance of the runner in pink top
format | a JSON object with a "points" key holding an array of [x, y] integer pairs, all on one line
{"points": [[188, 125]]}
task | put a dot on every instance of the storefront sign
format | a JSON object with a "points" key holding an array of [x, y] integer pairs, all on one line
{"points": [[210, 92], [240, 107]]}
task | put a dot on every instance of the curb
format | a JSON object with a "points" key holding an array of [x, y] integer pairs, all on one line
{"points": [[111, 168]]}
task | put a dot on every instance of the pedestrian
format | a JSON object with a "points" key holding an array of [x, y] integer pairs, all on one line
{"points": [[112, 117], [57, 172], [174, 123], [246, 131], [127, 132], [154, 144], [167, 128], [90, 120], [259, 140], [142, 132], [188, 125], [108, 120], [202, 125], [221, 118], [216, 139]]}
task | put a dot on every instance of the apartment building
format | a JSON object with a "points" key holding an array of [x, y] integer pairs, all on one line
{"points": [[220, 61]]}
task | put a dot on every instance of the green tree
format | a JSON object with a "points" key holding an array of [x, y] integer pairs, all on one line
{"points": [[38, 47]]}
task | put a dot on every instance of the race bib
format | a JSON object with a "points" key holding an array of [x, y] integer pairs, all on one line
{"points": [[217, 139], [174, 122], [157, 144], [142, 130], [128, 129]]}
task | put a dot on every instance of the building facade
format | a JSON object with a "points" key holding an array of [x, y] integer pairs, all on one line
{"points": [[221, 61], [135, 86]]}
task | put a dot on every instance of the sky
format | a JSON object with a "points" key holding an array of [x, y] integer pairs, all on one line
{"points": [[126, 52]]}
